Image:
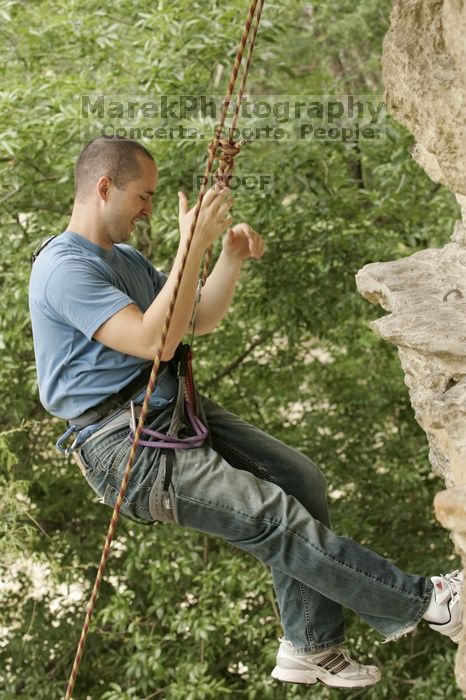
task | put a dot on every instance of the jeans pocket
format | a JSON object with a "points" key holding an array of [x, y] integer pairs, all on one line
{"points": [[105, 457], [132, 509]]}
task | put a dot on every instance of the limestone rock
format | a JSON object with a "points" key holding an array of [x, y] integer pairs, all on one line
{"points": [[424, 74], [426, 297], [450, 506]]}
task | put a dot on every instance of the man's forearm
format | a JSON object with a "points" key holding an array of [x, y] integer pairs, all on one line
{"points": [[217, 293], [155, 315], [133, 332]]}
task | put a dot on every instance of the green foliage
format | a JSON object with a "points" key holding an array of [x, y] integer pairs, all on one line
{"points": [[15, 506], [181, 615]]}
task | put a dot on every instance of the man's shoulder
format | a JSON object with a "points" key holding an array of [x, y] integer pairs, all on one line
{"points": [[52, 253], [58, 264], [53, 249]]}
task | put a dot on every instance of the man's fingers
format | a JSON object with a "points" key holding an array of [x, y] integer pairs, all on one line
{"points": [[255, 243], [221, 206], [259, 245], [223, 203], [216, 201], [222, 209], [209, 197], [183, 203], [214, 196]]}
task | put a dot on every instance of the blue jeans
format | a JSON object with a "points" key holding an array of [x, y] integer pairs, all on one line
{"points": [[267, 499]]}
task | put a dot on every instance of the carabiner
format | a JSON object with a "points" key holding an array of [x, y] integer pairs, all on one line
{"points": [[62, 440]]}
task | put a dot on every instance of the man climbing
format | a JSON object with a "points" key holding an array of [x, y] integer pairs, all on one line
{"points": [[98, 308]]}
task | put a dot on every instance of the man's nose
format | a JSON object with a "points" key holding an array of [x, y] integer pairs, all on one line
{"points": [[147, 209]]}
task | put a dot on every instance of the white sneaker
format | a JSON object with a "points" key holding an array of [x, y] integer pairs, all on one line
{"points": [[332, 667], [444, 613]]}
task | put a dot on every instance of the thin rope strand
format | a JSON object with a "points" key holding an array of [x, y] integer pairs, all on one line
{"points": [[155, 367], [260, 6], [244, 76]]}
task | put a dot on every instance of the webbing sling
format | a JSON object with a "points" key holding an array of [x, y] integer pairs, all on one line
{"points": [[184, 413]]}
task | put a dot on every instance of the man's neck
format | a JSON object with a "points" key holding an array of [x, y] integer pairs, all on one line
{"points": [[84, 223]]}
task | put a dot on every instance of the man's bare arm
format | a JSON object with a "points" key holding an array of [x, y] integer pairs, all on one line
{"points": [[240, 243], [135, 333]]}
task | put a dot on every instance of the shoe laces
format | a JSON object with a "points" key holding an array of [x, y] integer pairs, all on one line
{"points": [[453, 581]]}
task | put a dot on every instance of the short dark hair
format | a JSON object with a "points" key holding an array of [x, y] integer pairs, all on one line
{"points": [[113, 156]]}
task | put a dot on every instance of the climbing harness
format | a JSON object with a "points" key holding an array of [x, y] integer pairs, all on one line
{"points": [[183, 415], [225, 151], [95, 418]]}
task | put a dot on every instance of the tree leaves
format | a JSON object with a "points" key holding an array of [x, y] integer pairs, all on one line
{"points": [[181, 615]]}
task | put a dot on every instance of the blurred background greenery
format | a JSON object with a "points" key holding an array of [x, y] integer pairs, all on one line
{"points": [[181, 615]]}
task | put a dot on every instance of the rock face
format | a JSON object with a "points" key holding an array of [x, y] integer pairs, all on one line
{"points": [[426, 297], [424, 73]]}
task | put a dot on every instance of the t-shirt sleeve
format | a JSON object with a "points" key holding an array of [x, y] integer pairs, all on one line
{"points": [[78, 294], [158, 278]]}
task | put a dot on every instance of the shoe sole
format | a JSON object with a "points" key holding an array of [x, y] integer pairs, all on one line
{"points": [[310, 678], [449, 629], [454, 636]]}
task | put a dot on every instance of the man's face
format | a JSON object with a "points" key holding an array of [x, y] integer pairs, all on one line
{"points": [[126, 206]]}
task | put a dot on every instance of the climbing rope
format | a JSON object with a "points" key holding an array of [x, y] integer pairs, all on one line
{"points": [[229, 150]]}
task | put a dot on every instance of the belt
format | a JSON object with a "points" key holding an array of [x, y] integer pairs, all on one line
{"points": [[115, 401]]}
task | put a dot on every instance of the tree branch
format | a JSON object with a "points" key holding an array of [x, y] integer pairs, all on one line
{"points": [[18, 188], [235, 363]]}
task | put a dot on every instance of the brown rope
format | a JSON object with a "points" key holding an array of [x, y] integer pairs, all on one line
{"points": [[158, 357], [228, 147], [225, 153]]}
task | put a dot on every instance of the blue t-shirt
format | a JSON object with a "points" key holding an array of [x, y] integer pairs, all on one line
{"points": [[75, 287]]}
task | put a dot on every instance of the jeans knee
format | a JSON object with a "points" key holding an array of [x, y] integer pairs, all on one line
{"points": [[322, 479], [317, 478]]}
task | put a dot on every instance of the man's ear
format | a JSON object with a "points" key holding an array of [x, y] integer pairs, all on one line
{"points": [[103, 187]]}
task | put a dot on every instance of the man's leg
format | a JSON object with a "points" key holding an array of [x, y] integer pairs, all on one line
{"points": [[310, 620], [257, 516]]}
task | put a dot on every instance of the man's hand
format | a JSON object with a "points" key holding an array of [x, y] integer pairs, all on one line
{"points": [[213, 216], [242, 242]]}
